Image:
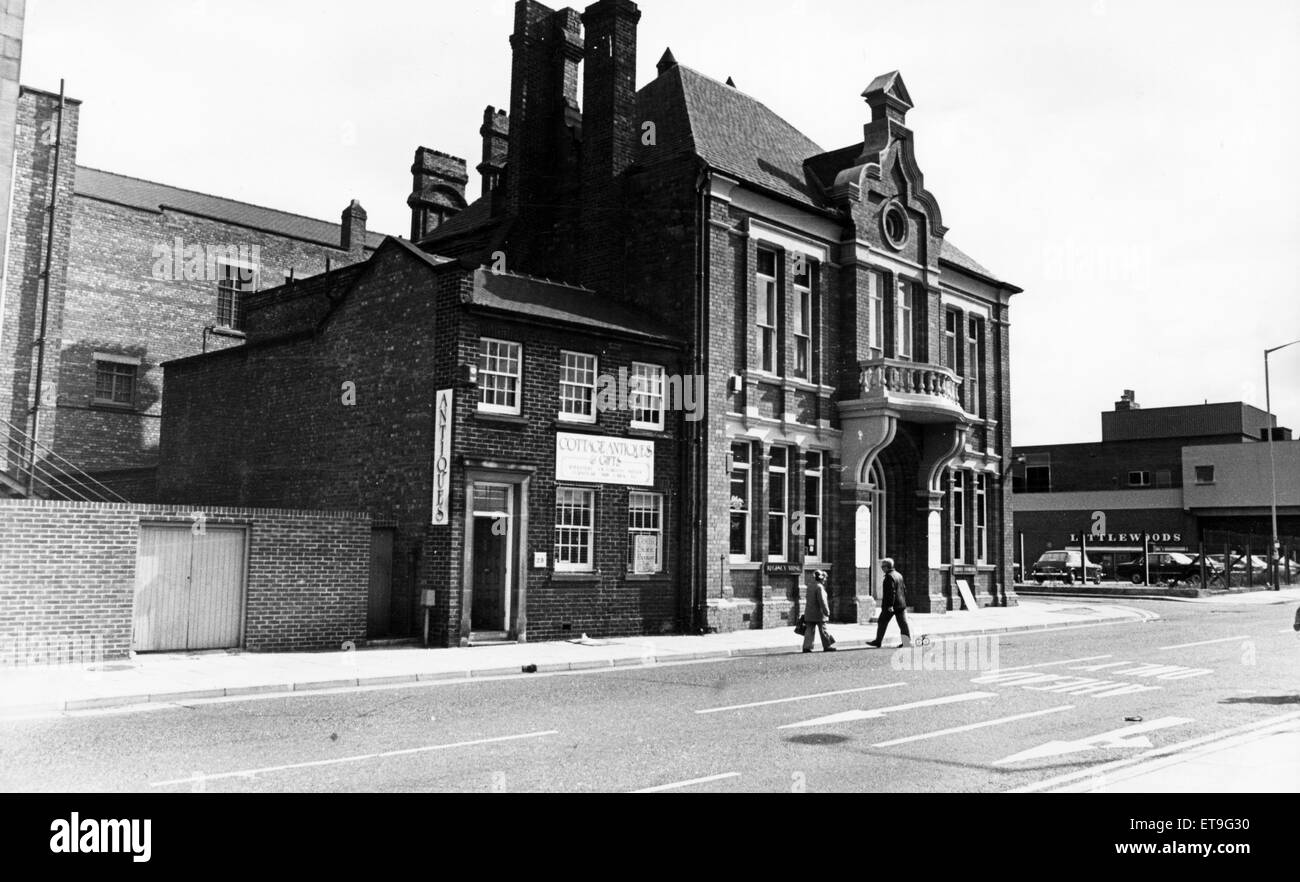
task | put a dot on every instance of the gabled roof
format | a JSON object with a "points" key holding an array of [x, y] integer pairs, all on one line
{"points": [[94, 183]]}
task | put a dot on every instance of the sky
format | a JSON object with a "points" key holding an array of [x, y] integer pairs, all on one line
{"points": [[1129, 163]]}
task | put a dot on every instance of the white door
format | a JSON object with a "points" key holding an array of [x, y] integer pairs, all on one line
{"points": [[189, 589]]}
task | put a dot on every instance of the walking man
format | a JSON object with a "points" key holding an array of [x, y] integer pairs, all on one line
{"points": [[893, 604], [817, 610]]}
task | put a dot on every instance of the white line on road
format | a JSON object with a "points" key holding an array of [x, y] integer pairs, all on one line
{"points": [[1206, 642], [876, 712], [974, 726], [1068, 661], [718, 710], [248, 773], [1167, 750], [690, 783]]}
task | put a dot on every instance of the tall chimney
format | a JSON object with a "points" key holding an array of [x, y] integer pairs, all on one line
{"points": [[496, 146], [353, 228], [1127, 401], [610, 129], [437, 190]]}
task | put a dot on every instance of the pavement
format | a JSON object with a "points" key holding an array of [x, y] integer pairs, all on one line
{"points": [[159, 678]]}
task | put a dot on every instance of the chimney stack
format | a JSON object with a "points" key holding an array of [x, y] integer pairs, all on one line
{"points": [[1127, 401], [496, 147], [610, 130], [353, 229], [437, 190]]}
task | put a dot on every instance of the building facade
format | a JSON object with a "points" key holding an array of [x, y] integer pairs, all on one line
{"points": [[1187, 476], [851, 364], [138, 273]]}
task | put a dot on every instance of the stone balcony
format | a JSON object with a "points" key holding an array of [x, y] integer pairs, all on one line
{"points": [[923, 393]]}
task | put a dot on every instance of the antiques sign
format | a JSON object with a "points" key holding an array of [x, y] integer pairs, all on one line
{"points": [[595, 459], [442, 458]]}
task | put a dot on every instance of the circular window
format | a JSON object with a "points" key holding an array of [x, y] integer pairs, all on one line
{"points": [[894, 224]]}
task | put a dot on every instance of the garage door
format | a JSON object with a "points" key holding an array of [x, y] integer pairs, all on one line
{"points": [[189, 589]]}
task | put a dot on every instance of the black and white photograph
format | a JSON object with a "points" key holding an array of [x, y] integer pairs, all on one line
{"points": [[450, 397]]}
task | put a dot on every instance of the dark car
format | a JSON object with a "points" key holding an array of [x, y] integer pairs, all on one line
{"points": [[1163, 566], [1063, 566]]}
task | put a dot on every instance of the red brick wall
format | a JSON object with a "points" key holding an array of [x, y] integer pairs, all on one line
{"points": [[68, 570]]}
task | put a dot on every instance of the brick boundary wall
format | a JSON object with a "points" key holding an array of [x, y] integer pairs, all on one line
{"points": [[67, 573]]}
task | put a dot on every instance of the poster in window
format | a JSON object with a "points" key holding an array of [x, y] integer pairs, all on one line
{"points": [[645, 554]]}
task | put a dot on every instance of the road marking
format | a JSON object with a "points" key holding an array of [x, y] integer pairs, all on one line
{"points": [[1167, 750], [877, 712], [248, 773], [1068, 661], [1128, 737], [1205, 643], [974, 726], [718, 710], [690, 783]]}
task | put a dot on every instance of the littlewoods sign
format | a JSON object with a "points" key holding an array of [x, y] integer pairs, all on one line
{"points": [[1126, 538], [591, 459]]}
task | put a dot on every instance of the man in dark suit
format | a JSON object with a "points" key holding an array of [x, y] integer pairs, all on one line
{"points": [[893, 604]]}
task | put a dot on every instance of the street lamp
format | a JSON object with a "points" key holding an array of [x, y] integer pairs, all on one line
{"points": [[1272, 471]]}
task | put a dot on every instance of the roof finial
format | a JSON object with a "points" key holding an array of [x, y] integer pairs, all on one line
{"points": [[668, 62], [731, 82]]}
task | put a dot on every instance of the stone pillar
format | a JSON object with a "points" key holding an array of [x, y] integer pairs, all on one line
{"points": [[855, 554]]}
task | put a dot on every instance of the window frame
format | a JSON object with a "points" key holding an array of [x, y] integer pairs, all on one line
{"points": [[981, 518], [509, 410], [767, 300], [876, 282], [814, 488], [230, 283], [636, 394], [563, 491], [1199, 478], [957, 514], [904, 320], [781, 514], [634, 531], [117, 369], [1144, 478], [974, 348], [805, 311], [744, 467], [565, 384]]}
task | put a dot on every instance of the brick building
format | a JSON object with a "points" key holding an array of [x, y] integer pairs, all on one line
{"points": [[1187, 475], [139, 273], [554, 507], [854, 362]]}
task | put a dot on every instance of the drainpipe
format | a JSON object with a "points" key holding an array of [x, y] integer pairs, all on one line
{"points": [[699, 428], [45, 298]]}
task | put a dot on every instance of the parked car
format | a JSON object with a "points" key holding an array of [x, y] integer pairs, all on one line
{"points": [[1063, 566], [1212, 566], [1163, 566], [1257, 564]]}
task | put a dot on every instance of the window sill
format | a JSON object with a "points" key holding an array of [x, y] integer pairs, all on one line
{"points": [[116, 406], [647, 433], [502, 418], [227, 331], [654, 430], [648, 577], [576, 422], [575, 577]]}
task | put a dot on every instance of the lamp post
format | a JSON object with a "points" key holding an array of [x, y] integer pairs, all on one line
{"points": [[1272, 471]]}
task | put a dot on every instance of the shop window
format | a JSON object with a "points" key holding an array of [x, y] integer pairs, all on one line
{"points": [[1205, 474], [741, 499], [575, 510], [578, 387], [814, 462], [645, 532], [981, 518], [767, 310], [1139, 479], [500, 373], [957, 511], [778, 504], [115, 380], [647, 397]]}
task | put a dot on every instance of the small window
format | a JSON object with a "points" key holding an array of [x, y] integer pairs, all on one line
{"points": [[578, 387], [903, 329], [234, 283], [500, 372], [875, 294], [647, 396], [115, 383], [1139, 479], [1164, 478], [1205, 474], [894, 223], [575, 513], [1038, 479], [645, 533], [741, 469], [803, 319]]}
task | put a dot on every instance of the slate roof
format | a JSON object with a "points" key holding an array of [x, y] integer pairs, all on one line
{"points": [[132, 192]]}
